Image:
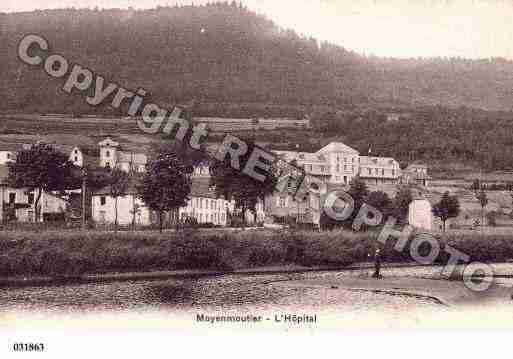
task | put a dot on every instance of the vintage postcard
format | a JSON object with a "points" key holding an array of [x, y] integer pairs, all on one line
{"points": [[255, 166]]}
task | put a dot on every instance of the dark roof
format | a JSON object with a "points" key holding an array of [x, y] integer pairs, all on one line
{"points": [[14, 147], [419, 176], [497, 176], [105, 191], [200, 188]]}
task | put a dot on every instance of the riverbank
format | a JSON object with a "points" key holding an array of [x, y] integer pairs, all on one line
{"points": [[74, 255]]}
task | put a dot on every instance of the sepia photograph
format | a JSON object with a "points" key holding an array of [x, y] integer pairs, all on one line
{"points": [[254, 167]]}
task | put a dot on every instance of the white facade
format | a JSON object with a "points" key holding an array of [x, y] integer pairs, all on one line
{"points": [[76, 157], [337, 163], [379, 170], [108, 153], [112, 156], [420, 214], [130, 210], [206, 210], [7, 156], [20, 203], [203, 209]]}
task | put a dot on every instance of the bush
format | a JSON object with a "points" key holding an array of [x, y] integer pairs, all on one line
{"points": [[72, 253]]}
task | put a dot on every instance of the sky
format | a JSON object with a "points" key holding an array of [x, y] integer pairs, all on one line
{"points": [[390, 28]]}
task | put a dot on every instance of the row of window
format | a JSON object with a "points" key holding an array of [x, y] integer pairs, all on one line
{"points": [[310, 168], [215, 218], [377, 171], [194, 203], [206, 203], [346, 159], [346, 168], [12, 198]]}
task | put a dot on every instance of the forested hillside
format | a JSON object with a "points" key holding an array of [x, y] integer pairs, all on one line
{"points": [[223, 53]]}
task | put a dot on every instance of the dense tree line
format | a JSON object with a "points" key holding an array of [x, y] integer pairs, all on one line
{"points": [[483, 139]]}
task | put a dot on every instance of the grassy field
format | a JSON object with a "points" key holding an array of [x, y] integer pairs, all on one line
{"points": [[74, 253]]}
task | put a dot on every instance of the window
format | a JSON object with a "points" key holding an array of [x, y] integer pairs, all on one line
{"points": [[103, 200], [323, 168], [393, 172], [107, 165], [345, 179], [338, 168], [281, 202], [8, 155], [30, 198], [12, 198], [76, 159], [201, 203], [382, 172], [345, 167], [369, 170], [107, 153]]}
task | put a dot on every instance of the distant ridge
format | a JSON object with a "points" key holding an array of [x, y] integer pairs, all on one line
{"points": [[226, 53]]}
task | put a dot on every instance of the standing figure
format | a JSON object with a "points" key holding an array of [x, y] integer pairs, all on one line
{"points": [[377, 264]]}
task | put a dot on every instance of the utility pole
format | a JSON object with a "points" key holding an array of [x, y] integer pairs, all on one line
{"points": [[84, 199]]}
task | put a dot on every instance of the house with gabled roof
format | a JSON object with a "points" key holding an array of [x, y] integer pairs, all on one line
{"points": [[17, 204], [114, 155], [204, 206]]}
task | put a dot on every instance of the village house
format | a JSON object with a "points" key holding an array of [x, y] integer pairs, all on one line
{"points": [[416, 174], [335, 166], [379, 170], [112, 155], [9, 151], [203, 205], [334, 163], [17, 204]]}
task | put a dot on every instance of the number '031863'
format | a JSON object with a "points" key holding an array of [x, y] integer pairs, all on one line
{"points": [[28, 347]]}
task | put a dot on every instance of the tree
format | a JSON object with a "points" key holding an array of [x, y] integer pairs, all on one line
{"points": [[359, 193], [448, 207], [233, 184], [42, 168], [476, 185], [166, 185], [401, 204], [491, 218], [483, 201], [380, 201], [118, 186]]}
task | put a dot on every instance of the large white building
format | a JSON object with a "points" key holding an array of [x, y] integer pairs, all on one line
{"points": [[337, 163], [204, 206]]}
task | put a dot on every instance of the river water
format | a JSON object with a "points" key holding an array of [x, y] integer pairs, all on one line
{"points": [[238, 293], [230, 292]]}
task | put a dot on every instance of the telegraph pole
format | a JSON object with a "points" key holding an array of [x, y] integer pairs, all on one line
{"points": [[84, 200]]}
